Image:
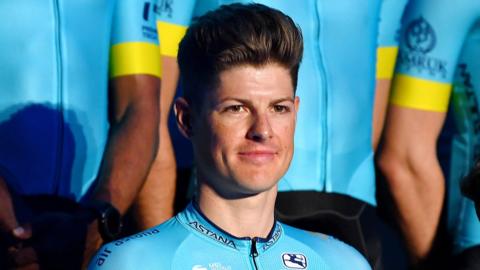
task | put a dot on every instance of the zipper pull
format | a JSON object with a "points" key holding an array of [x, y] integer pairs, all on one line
{"points": [[253, 250]]}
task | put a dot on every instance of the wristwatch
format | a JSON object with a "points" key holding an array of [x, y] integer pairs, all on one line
{"points": [[108, 217]]}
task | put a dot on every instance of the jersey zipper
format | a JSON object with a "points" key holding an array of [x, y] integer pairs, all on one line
{"points": [[59, 67], [254, 253], [323, 102]]}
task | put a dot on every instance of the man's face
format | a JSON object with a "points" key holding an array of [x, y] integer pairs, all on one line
{"points": [[243, 135]]}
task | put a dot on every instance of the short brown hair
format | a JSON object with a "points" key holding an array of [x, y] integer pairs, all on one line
{"points": [[234, 35]]}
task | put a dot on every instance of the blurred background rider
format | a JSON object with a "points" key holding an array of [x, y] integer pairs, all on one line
{"points": [[79, 87]]}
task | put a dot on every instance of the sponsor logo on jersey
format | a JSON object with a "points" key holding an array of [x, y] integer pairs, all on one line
{"points": [[274, 239], [165, 7], [146, 11], [220, 238], [294, 261], [148, 16], [103, 256], [212, 266], [420, 36], [420, 39], [136, 236]]}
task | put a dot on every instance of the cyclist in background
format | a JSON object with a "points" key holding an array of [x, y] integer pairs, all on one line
{"points": [[430, 57], [78, 124]]}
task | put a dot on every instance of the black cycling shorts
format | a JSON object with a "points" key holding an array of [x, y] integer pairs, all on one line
{"points": [[353, 221]]}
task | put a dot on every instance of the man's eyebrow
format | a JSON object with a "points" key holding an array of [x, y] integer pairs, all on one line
{"points": [[247, 101], [280, 100]]}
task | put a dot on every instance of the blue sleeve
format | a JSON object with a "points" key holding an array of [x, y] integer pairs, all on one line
{"points": [[431, 42], [134, 39], [432, 37], [390, 22], [110, 257], [176, 12], [134, 21], [341, 256], [150, 249], [388, 37], [138, 251], [335, 253]]}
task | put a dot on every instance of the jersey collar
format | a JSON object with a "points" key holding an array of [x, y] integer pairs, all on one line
{"points": [[195, 221]]}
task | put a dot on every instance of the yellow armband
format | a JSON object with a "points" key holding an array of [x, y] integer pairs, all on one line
{"points": [[386, 57], [420, 94], [135, 58], [170, 36]]}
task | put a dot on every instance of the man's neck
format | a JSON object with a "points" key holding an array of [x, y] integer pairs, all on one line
{"points": [[251, 216]]}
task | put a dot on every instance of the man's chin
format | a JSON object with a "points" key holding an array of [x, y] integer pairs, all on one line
{"points": [[247, 189], [254, 186]]}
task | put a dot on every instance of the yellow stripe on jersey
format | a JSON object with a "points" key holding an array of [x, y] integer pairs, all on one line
{"points": [[170, 36], [420, 94], [135, 58], [386, 57]]}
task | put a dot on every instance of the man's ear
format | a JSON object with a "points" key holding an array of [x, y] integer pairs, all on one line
{"points": [[296, 104], [183, 115]]}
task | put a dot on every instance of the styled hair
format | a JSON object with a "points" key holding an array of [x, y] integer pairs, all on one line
{"points": [[235, 35]]}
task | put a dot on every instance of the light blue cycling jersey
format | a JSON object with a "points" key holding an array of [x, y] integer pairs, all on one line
{"points": [[333, 141], [56, 57], [430, 62], [191, 241], [463, 221]]}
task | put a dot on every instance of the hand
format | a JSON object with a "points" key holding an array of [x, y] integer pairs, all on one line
{"points": [[60, 238], [8, 221], [13, 235], [59, 241]]}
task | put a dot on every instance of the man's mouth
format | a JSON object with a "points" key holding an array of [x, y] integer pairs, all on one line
{"points": [[258, 156]]}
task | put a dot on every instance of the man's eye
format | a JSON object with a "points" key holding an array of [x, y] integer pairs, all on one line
{"points": [[281, 108], [235, 108]]}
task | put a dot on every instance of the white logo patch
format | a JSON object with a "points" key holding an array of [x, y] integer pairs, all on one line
{"points": [[211, 266], [295, 261]]}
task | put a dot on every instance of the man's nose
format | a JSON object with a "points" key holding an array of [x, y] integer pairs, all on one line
{"points": [[260, 130]]}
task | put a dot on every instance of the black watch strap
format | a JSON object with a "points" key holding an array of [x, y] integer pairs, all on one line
{"points": [[108, 217]]}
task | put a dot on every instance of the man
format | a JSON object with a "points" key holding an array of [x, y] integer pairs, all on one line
{"points": [[73, 154], [432, 40], [331, 179], [239, 111]]}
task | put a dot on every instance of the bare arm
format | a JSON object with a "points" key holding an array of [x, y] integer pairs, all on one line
{"points": [[155, 201], [131, 146], [409, 162], [132, 139]]}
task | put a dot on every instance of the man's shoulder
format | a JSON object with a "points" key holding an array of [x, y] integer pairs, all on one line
{"points": [[335, 253], [147, 249]]}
